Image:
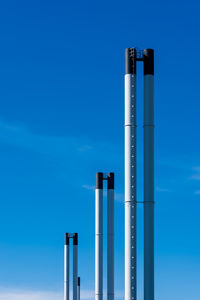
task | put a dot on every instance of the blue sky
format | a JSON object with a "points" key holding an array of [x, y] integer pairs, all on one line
{"points": [[61, 120]]}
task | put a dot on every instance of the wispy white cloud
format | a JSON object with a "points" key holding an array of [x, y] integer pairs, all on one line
{"points": [[39, 295], [85, 148], [88, 187], [20, 136], [31, 295], [197, 192], [45, 295], [66, 148], [158, 189], [196, 175]]}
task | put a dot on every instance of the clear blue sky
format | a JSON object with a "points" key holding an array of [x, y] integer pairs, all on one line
{"points": [[61, 120]]}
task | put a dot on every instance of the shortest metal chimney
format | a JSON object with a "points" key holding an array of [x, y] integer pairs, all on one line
{"points": [[66, 267], [69, 236], [78, 288]]}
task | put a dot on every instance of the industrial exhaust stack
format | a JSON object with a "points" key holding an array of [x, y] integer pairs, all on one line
{"points": [[99, 236], [110, 236], [78, 288], [76, 281], [131, 57], [148, 55], [66, 267]]}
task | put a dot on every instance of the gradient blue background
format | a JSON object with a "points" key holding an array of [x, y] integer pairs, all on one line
{"points": [[61, 120]]}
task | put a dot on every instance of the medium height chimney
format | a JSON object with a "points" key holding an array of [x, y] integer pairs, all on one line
{"points": [[100, 177]]}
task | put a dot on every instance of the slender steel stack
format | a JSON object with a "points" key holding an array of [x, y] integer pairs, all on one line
{"points": [[75, 265], [66, 267], [99, 236], [131, 57], [78, 289], [148, 56], [110, 236], [130, 175], [69, 236]]}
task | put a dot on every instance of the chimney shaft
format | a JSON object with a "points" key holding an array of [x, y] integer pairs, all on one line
{"points": [[99, 237], [66, 267], [75, 265], [148, 55], [130, 175], [110, 236]]}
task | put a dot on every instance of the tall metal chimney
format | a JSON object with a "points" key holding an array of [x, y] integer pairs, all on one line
{"points": [[131, 57], [148, 55], [99, 237], [130, 175]]}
